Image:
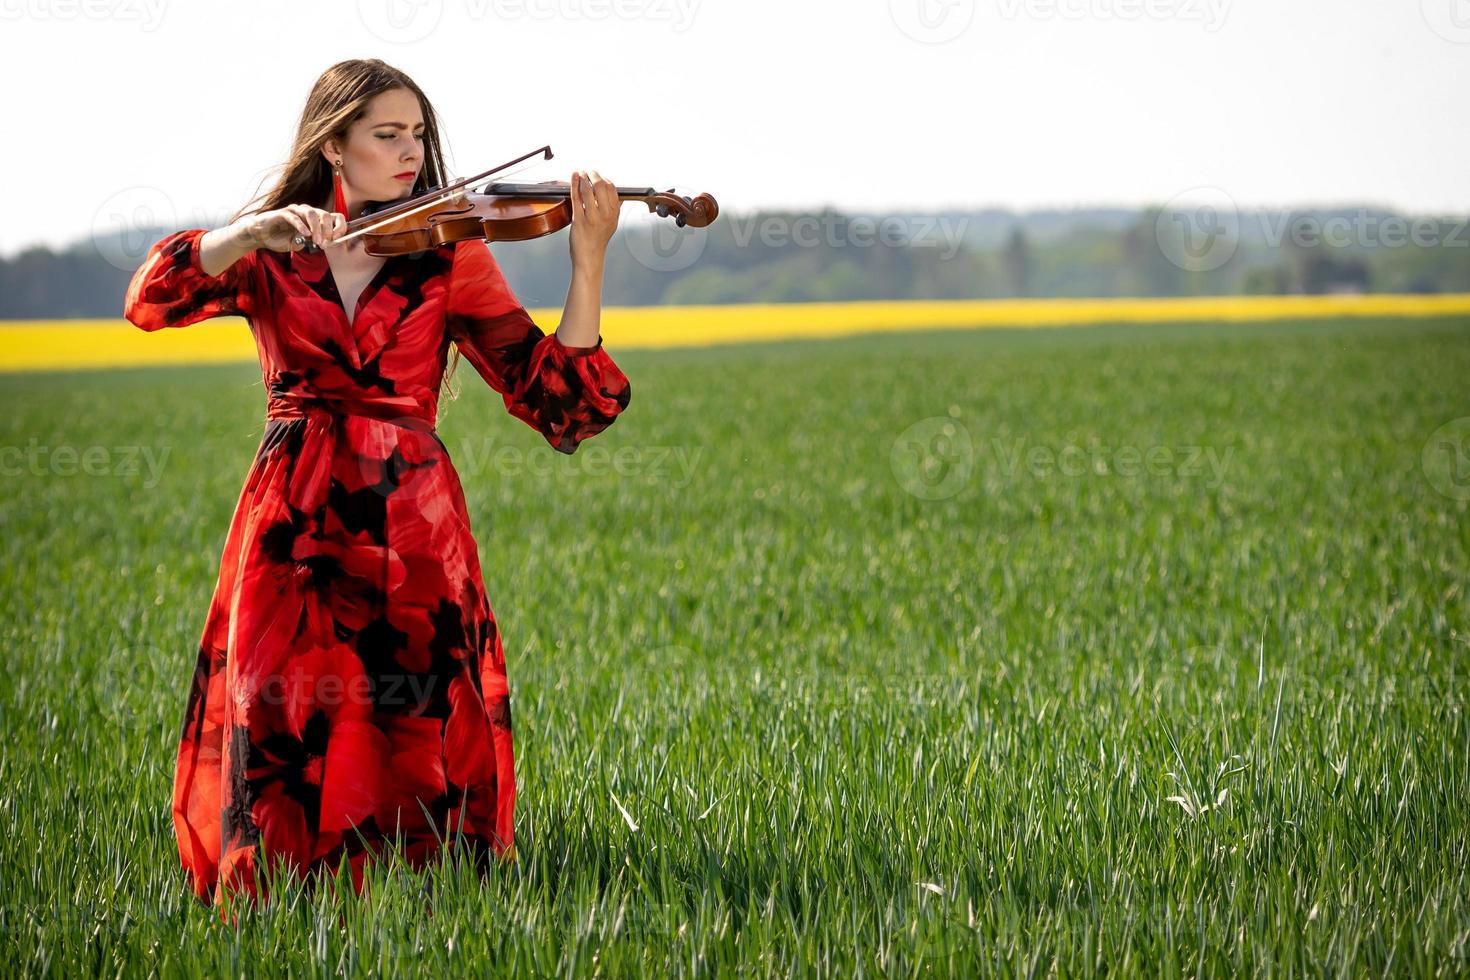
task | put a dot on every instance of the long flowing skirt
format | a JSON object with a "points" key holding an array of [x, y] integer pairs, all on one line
{"points": [[350, 690]]}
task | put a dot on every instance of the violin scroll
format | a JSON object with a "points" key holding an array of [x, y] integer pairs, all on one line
{"points": [[696, 212]]}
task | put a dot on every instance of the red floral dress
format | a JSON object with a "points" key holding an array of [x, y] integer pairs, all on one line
{"points": [[350, 687]]}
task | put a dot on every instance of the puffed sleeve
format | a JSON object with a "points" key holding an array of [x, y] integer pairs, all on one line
{"points": [[566, 393], [170, 289]]}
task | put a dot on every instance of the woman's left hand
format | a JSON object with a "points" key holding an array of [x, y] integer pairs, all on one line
{"points": [[595, 208]]}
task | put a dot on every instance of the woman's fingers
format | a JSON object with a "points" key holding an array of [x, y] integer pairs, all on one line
{"points": [[295, 221], [317, 218], [296, 214], [604, 191], [588, 199], [316, 221], [594, 202], [276, 229], [589, 192]]}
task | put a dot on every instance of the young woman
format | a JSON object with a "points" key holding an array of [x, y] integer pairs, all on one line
{"points": [[350, 690]]}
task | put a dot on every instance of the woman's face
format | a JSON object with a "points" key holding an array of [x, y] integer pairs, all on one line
{"points": [[384, 151]]}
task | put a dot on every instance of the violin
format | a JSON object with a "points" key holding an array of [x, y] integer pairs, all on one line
{"points": [[500, 212]]}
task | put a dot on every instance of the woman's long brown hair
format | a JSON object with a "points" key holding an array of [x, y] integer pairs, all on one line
{"points": [[338, 99]]}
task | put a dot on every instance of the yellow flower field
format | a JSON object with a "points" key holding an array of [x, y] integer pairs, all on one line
{"points": [[42, 345]]}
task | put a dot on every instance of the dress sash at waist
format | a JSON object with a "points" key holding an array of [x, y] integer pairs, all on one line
{"points": [[400, 411]]}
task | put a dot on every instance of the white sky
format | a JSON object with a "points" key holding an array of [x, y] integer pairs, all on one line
{"points": [[150, 106]]}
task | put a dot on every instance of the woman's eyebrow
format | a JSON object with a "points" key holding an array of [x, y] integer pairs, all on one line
{"points": [[395, 125]]}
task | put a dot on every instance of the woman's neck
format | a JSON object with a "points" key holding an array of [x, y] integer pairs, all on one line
{"points": [[353, 210]]}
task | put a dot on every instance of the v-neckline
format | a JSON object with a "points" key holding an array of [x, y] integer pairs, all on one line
{"points": [[363, 297]]}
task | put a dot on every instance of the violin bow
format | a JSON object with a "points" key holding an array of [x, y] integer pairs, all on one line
{"points": [[380, 218]]}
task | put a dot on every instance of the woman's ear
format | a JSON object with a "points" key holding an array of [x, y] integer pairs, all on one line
{"points": [[332, 151]]}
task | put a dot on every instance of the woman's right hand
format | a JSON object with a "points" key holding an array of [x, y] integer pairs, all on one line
{"points": [[274, 230]]}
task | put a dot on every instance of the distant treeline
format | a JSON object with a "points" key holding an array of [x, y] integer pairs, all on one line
{"points": [[824, 256]]}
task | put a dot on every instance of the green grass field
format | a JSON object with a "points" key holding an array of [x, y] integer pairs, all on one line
{"points": [[1127, 651]]}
